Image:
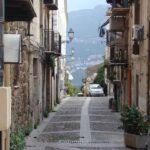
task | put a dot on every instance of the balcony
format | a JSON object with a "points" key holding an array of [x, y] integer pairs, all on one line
{"points": [[117, 24], [119, 7], [115, 40], [118, 56], [52, 43], [56, 45], [52, 4], [110, 38], [19, 10]]}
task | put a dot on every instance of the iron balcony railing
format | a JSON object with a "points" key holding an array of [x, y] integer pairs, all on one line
{"points": [[118, 56], [52, 41], [110, 38], [56, 43], [115, 39]]}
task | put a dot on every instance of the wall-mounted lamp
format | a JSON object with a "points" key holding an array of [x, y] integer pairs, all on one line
{"points": [[70, 35]]}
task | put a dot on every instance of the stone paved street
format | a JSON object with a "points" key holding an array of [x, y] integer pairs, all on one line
{"points": [[79, 123]]}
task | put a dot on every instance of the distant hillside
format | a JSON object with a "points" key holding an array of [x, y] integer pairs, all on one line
{"points": [[85, 23], [92, 69]]}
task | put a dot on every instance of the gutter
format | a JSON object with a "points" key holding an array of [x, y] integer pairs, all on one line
{"points": [[2, 7], [148, 77]]}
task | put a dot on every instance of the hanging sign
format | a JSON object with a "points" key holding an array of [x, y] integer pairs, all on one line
{"points": [[12, 48]]}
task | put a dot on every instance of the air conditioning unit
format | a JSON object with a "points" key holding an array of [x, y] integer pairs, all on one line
{"points": [[137, 32]]}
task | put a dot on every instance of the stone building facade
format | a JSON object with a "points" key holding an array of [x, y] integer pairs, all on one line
{"points": [[140, 48], [131, 34], [35, 79]]}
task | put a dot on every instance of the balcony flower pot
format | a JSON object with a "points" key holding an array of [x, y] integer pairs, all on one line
{"points": [[135, 141], [135, 127]]}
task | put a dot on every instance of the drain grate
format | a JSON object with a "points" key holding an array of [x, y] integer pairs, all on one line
{"points": [[70, 142], [82, 142], [98, 142]]}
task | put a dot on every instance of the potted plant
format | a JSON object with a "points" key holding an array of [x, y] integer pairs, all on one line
{"points": [[135, 127]]}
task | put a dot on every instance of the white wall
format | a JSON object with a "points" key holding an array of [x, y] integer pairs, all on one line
{"points": [[62, 28], [62, 22]]}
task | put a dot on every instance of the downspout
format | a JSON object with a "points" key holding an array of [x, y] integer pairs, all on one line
{"points": [[129, 85], [51, 69], [2, 7], [129, 74], [148, 75]]}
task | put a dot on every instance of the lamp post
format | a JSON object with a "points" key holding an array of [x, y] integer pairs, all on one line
{"points": [[70, 36]]}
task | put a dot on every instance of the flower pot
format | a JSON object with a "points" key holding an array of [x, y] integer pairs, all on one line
{"points": [[135, 141]]}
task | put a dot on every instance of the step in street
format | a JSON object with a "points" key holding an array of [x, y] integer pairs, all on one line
{"points": [[79, 123]]}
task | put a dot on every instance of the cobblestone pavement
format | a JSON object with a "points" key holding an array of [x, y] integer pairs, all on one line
{"points": [[79, 123]]}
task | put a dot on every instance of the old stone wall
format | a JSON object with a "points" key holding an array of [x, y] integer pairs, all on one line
{"points": [[20, 92], [25, 82]]}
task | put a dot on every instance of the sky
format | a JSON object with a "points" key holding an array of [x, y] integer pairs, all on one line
{"points": [[84, 4]]}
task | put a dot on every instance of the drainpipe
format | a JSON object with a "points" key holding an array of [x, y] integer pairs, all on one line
{"points": [[129, 85], [1, 41], [1, 55], [148, 76]]}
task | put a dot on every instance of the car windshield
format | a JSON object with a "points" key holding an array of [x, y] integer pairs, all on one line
{"points": [[95, 87]]}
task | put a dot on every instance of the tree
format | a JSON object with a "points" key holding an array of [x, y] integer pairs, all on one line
{"points": [[71, 90], [100, 75]]}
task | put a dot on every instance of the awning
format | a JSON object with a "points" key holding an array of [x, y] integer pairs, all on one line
{"points": [[12, 48], [102, 30], [19, 10], [104, 24]]}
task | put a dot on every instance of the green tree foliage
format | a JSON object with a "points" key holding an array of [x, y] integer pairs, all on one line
{"points": [[71, 90], [17, 140], [133, 121], [100, 75]]}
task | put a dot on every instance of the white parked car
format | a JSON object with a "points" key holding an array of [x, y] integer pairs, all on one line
{"points": [[95, 90]]}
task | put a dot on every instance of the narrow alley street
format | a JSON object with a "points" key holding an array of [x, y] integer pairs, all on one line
{"points": [[79, 123]]}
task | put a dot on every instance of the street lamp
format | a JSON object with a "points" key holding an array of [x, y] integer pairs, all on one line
{"points": [[72, 51], [70, 35]]}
